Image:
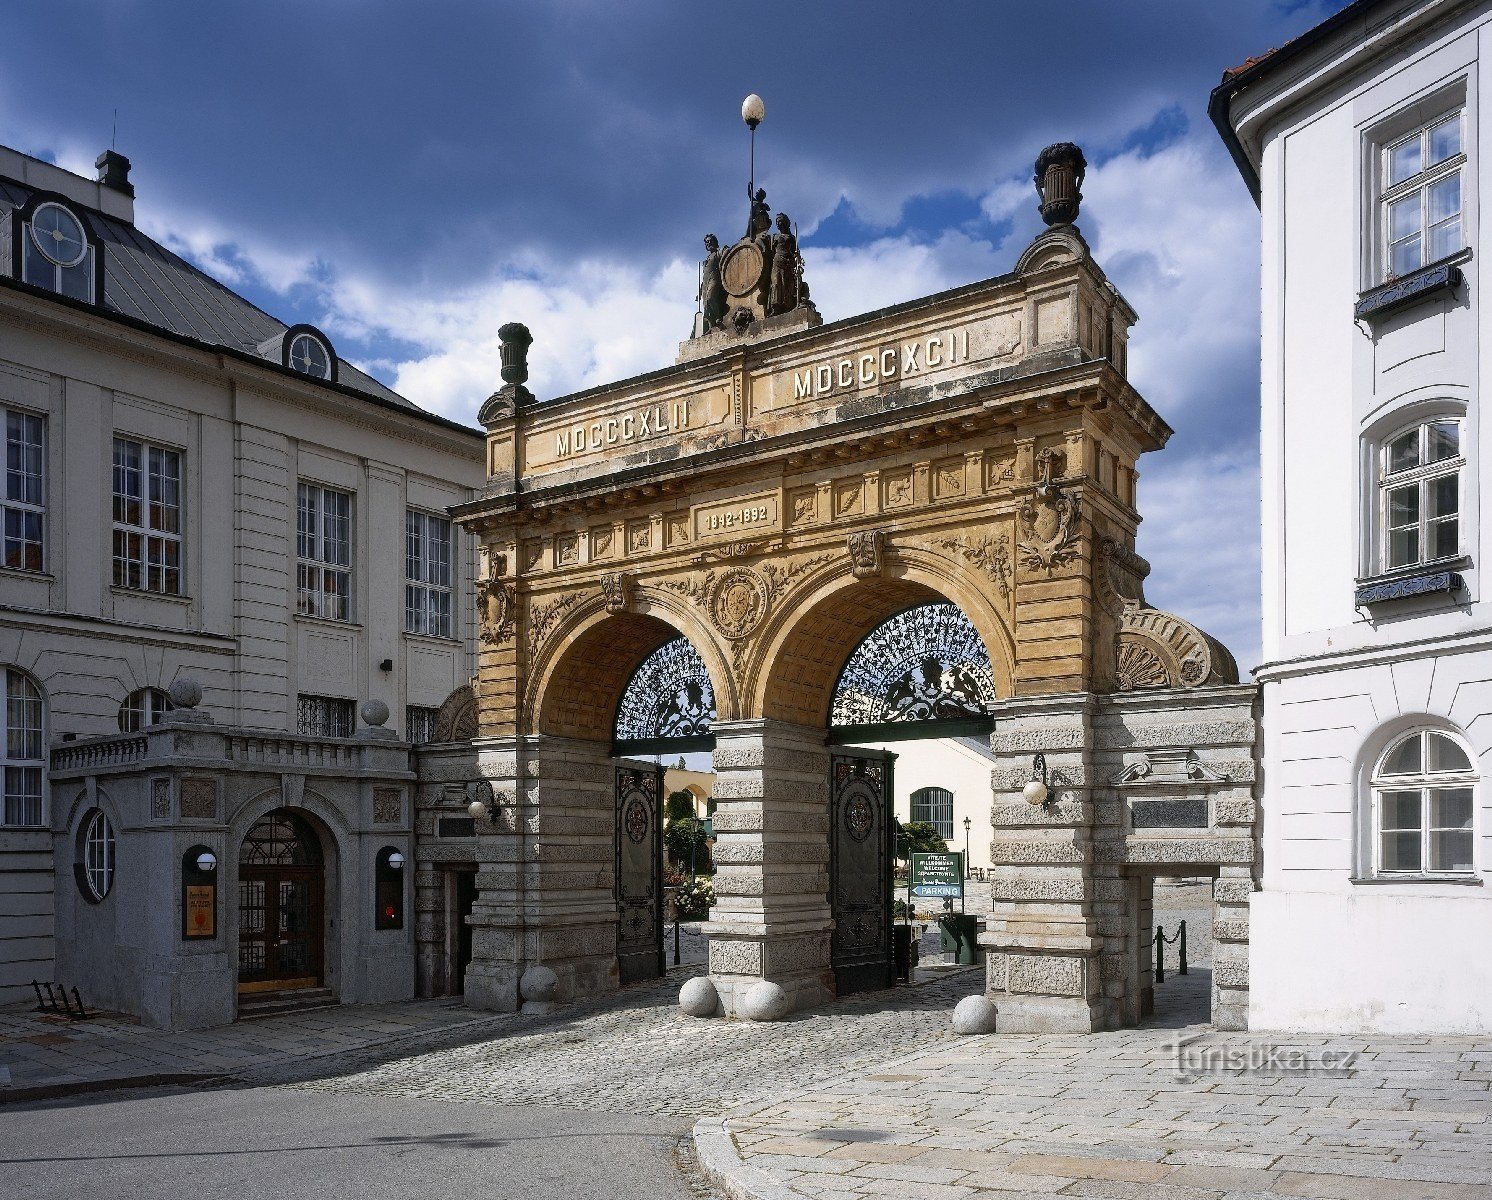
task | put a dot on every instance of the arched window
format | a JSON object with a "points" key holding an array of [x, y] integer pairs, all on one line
{"points": [[935, 806], [97, 857], [23, 753], [143, 708], [1419, 494], [57, 252], [1424, 801], [306, 349]]}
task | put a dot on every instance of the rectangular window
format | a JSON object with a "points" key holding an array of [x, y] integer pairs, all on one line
{"points": [[1421, 494], [419, 724], [147, 517], [427, 574], [24, 499], [324, 716], [1420, 199], [323, 544]]}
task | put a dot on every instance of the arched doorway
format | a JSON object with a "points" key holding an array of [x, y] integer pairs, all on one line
{"points": [[281, 895]]}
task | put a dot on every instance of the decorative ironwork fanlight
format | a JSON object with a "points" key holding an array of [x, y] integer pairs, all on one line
{"points": [[927, 663], [668, 696]]}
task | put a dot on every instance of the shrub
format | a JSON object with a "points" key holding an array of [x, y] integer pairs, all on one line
{"points": [[695, 898]]}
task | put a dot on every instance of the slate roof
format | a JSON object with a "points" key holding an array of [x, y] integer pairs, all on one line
{"points": [[145, 281]]}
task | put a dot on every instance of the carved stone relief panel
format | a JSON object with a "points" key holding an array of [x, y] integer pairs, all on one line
{"points": [[532, 554], [639, 537], [676, 528], [898, 489], [199, 799], [948, 480], [160, 799], [849, 498], [603, 541], [388, 806], [803, 506], [566, 550]]}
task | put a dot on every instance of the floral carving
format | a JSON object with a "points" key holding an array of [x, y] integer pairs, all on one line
{"points": [[601, 541], [991, 554], [805, 506], [545, 616], [496, 603], [779, 579], [617, 588], [899, 490], [1140, 667], [639, 537], [1049, 518], [566, 550]]}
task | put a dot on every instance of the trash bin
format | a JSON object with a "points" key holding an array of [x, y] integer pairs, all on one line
{"points": [[959, 933]]}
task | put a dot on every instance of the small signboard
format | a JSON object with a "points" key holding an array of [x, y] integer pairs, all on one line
{"points": [[201, 911], [938, 875]]}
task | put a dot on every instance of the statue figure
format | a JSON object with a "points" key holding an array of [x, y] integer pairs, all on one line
{"points": [[760, 221], [786, 269], [711, 287]]}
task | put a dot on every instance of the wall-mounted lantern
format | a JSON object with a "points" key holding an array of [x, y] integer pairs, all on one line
{"points": [[1036, 791]]}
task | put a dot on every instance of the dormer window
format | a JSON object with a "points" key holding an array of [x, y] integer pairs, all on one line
{"points": [[305, 349], [56, 252], [309, 356]]}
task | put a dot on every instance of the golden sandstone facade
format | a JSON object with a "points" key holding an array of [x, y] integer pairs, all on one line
{"points": [[776, 501]]}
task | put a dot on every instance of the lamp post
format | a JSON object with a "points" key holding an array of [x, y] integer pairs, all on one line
{"points": [[968, 821], [752, 112]]}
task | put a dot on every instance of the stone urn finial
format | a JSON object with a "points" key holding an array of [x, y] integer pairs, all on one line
{"points": [[1059, 181], [515, 339]]}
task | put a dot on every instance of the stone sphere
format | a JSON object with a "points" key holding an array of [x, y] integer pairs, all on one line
{"points": [[539, 983], [765, 1001], [974, 1014], [185, 692], [375, 712], [698, 997]]}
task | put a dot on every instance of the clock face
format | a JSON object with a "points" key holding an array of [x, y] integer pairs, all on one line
{"points": [[58, 235], [308, 356]]}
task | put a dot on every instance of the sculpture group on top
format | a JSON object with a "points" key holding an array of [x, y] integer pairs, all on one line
{"points": [[757, 278]]}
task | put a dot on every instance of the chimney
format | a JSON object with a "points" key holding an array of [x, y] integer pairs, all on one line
{"points": [[114, 172]]}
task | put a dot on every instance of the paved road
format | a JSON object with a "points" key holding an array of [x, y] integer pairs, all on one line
{"points": [[589, 1101], [247, 1143]]}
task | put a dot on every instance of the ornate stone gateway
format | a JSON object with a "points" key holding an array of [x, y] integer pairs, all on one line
{"points": [[639, 873], [862, 845], [957, 472]]}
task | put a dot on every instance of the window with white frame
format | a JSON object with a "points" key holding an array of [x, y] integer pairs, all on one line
{"points": [[1424, 796], [56, 253], [147, 517], [324, 716], [324, 547], [419, 724], [1419, 494], [1421, 201], [934, 805], [143, 708], [24, 498], [98, 855], [23, 752], [427, 574]]}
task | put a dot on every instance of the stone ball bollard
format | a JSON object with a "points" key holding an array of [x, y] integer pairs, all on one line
{"points": [[765, 1001], [538, 987], [698, 997], [185, 692], [375, 712], [974, 1014]]}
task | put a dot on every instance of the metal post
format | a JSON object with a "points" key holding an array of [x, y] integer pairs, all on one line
{"points": [[676, 932], [1182, 970], [751, 187], [1160, 955]]}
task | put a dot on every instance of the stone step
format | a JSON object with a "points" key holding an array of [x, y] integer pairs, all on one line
{"points": [[269, 1004]]}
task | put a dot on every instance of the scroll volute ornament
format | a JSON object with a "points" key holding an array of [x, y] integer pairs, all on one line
{"points": [[617, 588], [497, 602], [1059, 180]]}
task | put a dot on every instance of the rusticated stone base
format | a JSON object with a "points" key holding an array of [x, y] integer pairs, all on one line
{"points": [[1047, 1014]]}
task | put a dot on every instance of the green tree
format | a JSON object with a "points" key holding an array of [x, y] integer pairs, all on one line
{"points": [[919, 837], [679, 806], [682, 836]]}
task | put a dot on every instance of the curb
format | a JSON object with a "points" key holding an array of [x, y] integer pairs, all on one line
{"points": [[55, 1091], [718, 1158]]}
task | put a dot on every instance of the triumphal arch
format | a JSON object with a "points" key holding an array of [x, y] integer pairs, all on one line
{"points": [[735, 527]]}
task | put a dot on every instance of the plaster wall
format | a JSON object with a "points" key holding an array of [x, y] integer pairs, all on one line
{"points": [[1339, 679]]}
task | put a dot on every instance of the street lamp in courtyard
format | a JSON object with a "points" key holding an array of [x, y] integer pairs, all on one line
{"points": [[968, 821]]}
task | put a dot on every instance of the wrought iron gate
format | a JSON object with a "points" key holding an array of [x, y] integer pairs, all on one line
{"points": [[861, 855], [639, 873]]}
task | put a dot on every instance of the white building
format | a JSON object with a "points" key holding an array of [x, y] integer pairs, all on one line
{"points": [[195, 490], [1362, 141]]}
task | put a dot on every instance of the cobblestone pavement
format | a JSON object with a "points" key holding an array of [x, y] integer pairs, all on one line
{"points": [[635, 1052], [1108, 1116]]}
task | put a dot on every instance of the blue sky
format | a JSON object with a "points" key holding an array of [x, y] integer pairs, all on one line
{"points": [[410, 176]]}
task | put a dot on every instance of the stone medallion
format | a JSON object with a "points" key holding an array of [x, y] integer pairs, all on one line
{"points": [[739, 602], [635, 819], [741, 272]]}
